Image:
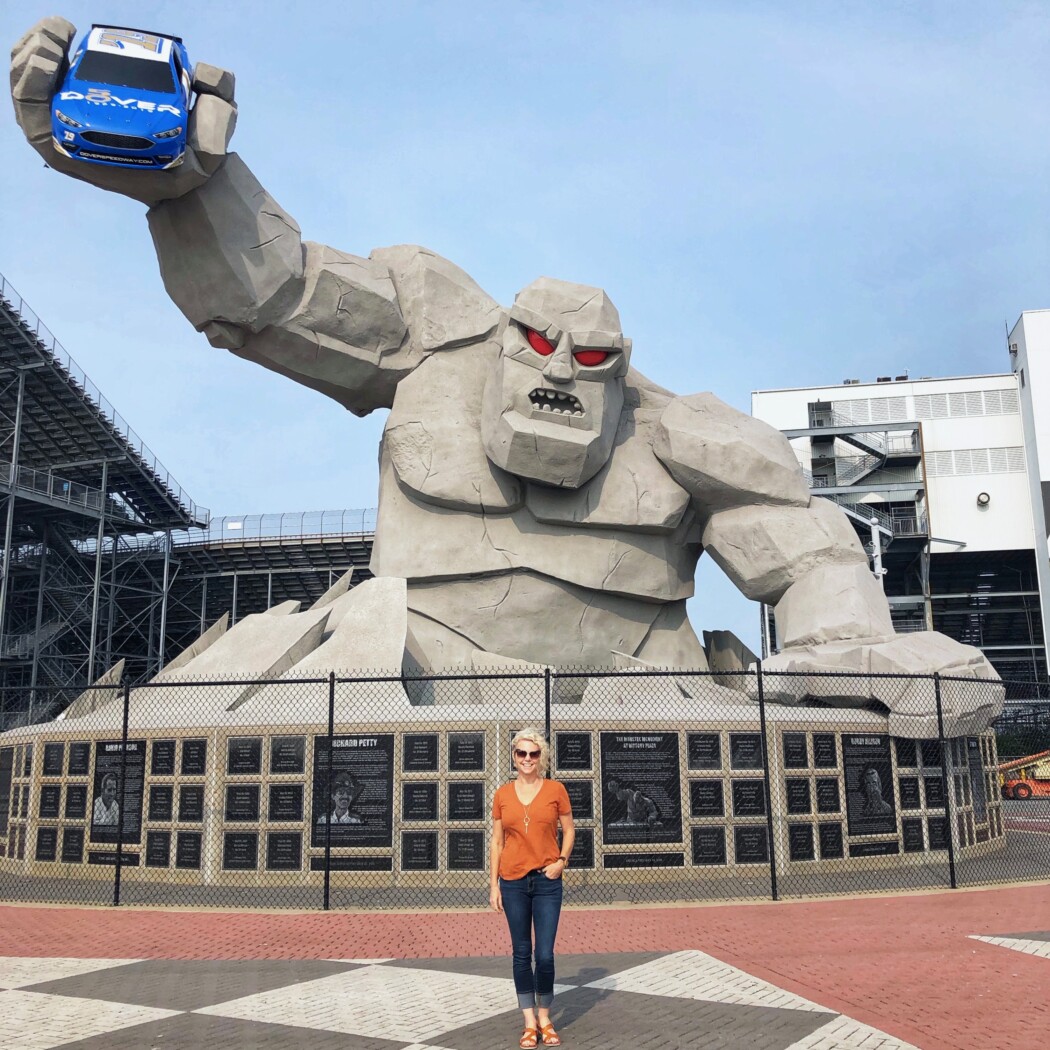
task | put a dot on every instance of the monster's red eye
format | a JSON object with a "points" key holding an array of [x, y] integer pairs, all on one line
{"points": [[538, 343], [591, 357]]}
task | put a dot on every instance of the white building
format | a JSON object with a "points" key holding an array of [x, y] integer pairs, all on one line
{"points": [[941, 479]]}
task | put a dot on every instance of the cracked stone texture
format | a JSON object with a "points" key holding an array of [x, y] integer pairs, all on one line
{"points": [[726, 459], [345, 337], [228, 251], [442, 306], [764, 554], [831, 603], [214, 121], [968, 706]]}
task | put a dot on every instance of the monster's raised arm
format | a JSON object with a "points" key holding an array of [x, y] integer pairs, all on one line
{"points": [[235, 264]]}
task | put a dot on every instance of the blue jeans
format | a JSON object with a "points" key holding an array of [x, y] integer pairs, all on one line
{"points": [[532, 901]]}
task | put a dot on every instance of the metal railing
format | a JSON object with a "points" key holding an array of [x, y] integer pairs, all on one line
{"points": [[37, 330], [75, 495]]}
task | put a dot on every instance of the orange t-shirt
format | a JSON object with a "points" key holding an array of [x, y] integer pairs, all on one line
{"points": [[523, 852]]}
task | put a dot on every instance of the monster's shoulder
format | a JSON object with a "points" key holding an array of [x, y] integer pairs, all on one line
{"points": [[443, 307]]}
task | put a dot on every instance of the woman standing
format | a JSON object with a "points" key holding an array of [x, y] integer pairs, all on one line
{"points": [[525, 870]]}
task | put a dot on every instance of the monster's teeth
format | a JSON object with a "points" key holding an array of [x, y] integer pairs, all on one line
{"points": [[563, 397]]}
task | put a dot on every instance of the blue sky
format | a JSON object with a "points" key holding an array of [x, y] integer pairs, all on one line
{"points": [[772, 194]]}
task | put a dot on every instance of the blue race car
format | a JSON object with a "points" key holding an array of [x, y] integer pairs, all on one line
{"points": [[125, 100]]}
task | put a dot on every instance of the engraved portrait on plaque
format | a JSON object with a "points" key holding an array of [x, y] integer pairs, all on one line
{"points": [[869, 784], [360, 808], [107, 812]]}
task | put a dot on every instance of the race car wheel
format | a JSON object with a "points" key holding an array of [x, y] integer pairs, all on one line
{"points": [[1023, 791]]}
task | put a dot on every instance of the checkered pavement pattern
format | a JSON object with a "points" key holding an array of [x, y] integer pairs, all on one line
{"points": [[652, 1001], [1037, 943]]}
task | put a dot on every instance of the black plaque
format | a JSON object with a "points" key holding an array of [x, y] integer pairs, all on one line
{"points": [[931, 753], [15, 796], [466, 850], [46, 844], [161, 805], [466, 753], [72, 845], [158, 849], [911, 832], [360, 808], [358, 863], [243, 755], [419, 800], [54, 757], [27, 761], [419, 754], [796, 752], [749, 798], [582, 855], [7, 758], [751, 844], [194, 758], [240, 851], [191, 803], [905, 751], [909, 791], [874, 849], [830, 841], [825, 754], [797, 793], [108, 858], [24, 809], [706, 798], [76, 801], [709, 846], [106, 809], [933, 787], [745, 751], [800, 842], [419, 850], [641, 796], [869, 784], [50, 801], [287, 755], [581, 798], [704, 750], [162, 764], [242, 802], [79, 758], [465, 800], [188, 849], [286, 803], [284, 851], [977, 792], [937, 832], [573, 750], [643, 860]]}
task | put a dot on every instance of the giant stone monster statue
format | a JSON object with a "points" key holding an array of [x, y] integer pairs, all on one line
{"points": [[543, 500]]}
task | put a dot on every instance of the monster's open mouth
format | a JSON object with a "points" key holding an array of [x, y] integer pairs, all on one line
{"points": [[557, 402]]}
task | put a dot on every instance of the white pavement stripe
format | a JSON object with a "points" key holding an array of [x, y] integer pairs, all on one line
{"points": [[694, 975], [18, 972], [843, 1033], [1017, 944], [35, 1021], [385, 1002]]}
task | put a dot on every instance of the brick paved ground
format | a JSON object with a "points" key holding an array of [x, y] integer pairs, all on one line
{"points": [[908, 966]]}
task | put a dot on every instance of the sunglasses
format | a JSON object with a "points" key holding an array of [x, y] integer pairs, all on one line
{"points": [[518, 753]]}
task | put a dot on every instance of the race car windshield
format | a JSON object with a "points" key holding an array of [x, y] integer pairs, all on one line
{"points": [[125, 71]]}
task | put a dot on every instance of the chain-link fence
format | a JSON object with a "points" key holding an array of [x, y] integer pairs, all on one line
{"points": [[375, 790]]}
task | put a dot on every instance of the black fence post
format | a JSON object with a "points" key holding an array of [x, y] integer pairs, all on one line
{"points": [[120, 792], [949, 817], [768, 785], [328, 794], [547, 703]]}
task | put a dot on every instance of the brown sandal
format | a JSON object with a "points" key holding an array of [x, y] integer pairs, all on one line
{"points": [[550, 1037], [528, 1039]]}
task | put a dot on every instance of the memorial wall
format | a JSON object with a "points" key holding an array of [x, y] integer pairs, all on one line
{"points": [[408, 803]]}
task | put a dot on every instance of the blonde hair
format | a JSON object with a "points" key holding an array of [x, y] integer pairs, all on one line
{"points": [[534, 736]]}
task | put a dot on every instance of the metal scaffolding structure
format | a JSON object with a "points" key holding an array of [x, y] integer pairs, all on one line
{"points": [[105, 557]]}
